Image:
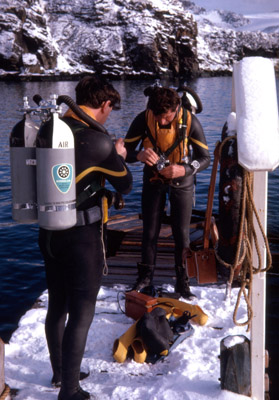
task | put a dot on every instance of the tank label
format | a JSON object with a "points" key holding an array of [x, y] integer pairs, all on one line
{"points": [[62, 175]]}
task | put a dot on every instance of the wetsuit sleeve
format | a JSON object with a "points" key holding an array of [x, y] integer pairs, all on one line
{"points": [[97, 159], [134, 137], [114, 168], [200, 148]]}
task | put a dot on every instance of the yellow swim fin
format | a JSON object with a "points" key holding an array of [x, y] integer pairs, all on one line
{"points": [[168, 304], [121, 345], [140, 352]]}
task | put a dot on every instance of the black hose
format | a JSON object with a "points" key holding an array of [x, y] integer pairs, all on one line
{"points": [[77, 110], [81, 114], [185, 89]]}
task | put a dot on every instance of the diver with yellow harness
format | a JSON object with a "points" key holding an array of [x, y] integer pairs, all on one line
{"points": [[173, 147]]}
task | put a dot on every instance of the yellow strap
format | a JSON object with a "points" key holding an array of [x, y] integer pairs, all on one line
{"points": [[105, 209], [100, 169], [134, 139], [199, 143]]}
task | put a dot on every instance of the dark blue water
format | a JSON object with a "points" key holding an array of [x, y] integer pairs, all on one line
{"points": [[21, 268]]}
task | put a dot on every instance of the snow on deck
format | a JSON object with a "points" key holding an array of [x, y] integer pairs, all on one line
{"points": [[190, 372]]}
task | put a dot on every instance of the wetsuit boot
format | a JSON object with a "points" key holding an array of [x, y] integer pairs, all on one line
{"points": [[145, 276], [80, 394], [182, 283], [70, 390]]}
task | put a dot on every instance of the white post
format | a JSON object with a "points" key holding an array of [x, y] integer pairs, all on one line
{"points": [[256, 106], [259, 293]]}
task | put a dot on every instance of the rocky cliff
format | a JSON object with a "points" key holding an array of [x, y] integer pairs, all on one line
{"points": [[122, 38]]}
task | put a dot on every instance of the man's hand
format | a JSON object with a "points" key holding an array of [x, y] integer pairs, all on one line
{"points": [[173, 171], [120, 148], [148, 156]]}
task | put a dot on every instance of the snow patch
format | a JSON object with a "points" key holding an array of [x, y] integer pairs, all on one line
{"points": [[191, 371]]}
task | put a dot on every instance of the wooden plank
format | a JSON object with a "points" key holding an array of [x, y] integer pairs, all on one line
{"points": [[119, 217], [130, 280], [124, 223], [132, 222]]}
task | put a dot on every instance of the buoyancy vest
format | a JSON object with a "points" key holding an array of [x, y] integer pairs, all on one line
{"points": [[165, 138]]}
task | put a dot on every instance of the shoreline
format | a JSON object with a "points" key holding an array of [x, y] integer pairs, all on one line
{"points": [[16, 77]]}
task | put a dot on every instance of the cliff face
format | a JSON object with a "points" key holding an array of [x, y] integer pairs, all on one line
{"points": [[121, 38], [125, 37], [25, 38], [218, 48]]}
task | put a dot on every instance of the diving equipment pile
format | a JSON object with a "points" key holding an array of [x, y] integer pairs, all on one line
{"points": [[161, 325]]}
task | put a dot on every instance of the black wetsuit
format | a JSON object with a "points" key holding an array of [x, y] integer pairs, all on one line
{"points": [[154, 193], [74, 258]]}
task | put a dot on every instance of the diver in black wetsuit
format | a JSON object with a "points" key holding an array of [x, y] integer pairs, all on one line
{"points": [[74, 258], [164, 131]]}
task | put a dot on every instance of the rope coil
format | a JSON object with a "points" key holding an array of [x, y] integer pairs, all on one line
{"points": [[243, 256], [5, 392]]}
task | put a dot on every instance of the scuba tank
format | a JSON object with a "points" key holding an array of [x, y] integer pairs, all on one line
{"points": [[56, 191], [43, 165], [23, 167], [190, 99], [230, 195]]}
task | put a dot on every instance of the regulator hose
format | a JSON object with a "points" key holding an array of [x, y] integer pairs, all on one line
{"points": [[81, 114], [185, 100], [77, 110]]}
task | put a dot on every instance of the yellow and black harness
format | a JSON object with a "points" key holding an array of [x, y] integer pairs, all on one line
{"points": [[171, 143]]}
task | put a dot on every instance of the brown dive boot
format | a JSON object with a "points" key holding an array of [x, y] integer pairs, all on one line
{"points": [[145, 276], [182, 283]]}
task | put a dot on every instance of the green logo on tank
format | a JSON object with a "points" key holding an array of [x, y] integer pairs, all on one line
{"points": [[62, 175]]}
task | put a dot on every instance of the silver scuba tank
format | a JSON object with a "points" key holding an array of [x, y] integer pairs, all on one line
{"points": [[23, 168], [56, 191]]}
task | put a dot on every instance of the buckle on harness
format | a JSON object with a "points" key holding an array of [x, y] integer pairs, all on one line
{"points": [[89, 191]]}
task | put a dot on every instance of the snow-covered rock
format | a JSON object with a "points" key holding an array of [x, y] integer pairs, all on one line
{"points": [[25, 35], [126, 38]]}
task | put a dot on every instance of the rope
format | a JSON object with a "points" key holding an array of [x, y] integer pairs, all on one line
{"points": [[105, 267], [5, 392], [246, 236]]}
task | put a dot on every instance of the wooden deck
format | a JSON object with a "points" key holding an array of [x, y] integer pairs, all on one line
{"points": [[124, 250]]}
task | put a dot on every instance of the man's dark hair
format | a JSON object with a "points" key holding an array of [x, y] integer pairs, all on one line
{"points": [[93, 90], [162, 99]]}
